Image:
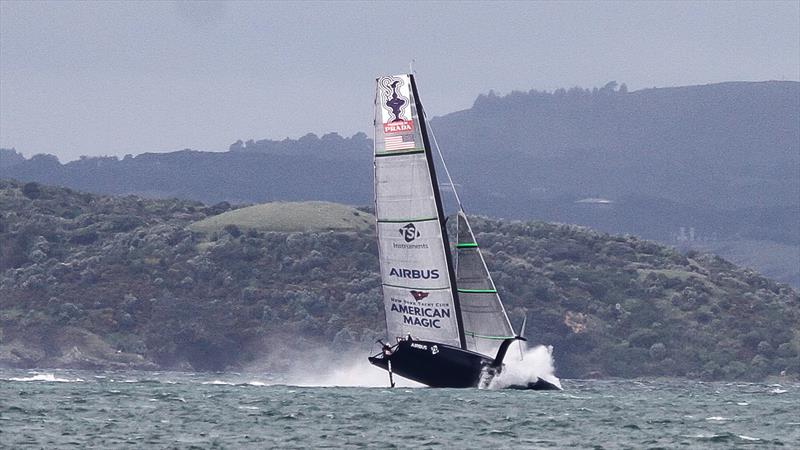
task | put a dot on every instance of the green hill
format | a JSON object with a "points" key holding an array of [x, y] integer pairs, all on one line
{"points": [[92, 281], [288, 217]]}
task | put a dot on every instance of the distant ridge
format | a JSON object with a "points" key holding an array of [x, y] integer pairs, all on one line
{"points": [[712, 166]]}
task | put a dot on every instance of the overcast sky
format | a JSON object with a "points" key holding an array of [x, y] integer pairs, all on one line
{"points": [[108, 78]]}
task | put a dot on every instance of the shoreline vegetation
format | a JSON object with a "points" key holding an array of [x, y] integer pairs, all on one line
{"points": [[126, 283]]}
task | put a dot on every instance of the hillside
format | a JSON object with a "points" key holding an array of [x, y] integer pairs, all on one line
{"points": [[122, 282], [710, 167]]}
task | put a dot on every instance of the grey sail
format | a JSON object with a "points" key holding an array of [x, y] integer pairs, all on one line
{"points": [[486, 324], [415, 272]]}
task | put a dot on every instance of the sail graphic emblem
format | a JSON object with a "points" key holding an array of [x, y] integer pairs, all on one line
{"points": [[418, 295], [409, 232], [395, 102]]}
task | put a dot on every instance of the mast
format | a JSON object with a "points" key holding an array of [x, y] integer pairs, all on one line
{"points": [[442, 224]]}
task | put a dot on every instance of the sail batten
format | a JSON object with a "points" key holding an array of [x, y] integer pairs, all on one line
{"points": [[408, 220], [411, 287], [478, 291], [483, 336], [410, 152]]}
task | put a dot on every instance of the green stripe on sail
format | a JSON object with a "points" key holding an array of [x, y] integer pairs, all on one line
{"points": [[466, 245], [415, 288], [478, 291], [425, 219], [409, 152], [482, 336]]}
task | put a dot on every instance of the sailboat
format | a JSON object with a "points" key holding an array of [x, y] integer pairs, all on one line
{"points": [[446, 324]]}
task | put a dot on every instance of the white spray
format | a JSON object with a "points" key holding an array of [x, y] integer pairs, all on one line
{"points": [[535, 363], [321, 367], [317, 366], [351, 371]]}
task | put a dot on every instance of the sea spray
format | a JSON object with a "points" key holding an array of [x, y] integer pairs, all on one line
{"points": [[349, 370], [354, 370], [317, 366], [535, 363]]}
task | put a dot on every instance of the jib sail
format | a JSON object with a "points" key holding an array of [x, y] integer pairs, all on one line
{"points": [[416, 271], [486, 324]]}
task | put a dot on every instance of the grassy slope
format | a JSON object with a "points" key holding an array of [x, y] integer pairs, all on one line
{"points": [[288, 217]]}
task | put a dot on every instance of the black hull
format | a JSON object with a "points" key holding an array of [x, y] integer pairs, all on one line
{"points": [[434, 364], [441, 365]]}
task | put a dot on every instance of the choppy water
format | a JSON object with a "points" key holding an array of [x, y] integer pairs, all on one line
{"points": [[135, 409]]}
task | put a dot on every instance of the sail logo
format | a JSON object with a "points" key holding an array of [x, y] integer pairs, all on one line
{"points": [[395, 118], [422, 316], [418, 295], [409, 232], [414, 274], [398, 127]]}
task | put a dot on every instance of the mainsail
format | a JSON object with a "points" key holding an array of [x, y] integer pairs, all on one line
{"points": [[486, 324], [424, 296], [416, 270]]}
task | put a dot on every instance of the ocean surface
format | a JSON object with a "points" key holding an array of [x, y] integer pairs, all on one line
{"points": [[57, 409]]}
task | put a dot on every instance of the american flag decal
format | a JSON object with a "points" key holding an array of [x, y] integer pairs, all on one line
{"points": [[399, 142]]}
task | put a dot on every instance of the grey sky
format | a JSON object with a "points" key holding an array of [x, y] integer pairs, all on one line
{"points": [[114, 78]]}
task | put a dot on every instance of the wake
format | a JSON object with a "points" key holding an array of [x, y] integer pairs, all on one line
{"points": [[46, 377]]}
